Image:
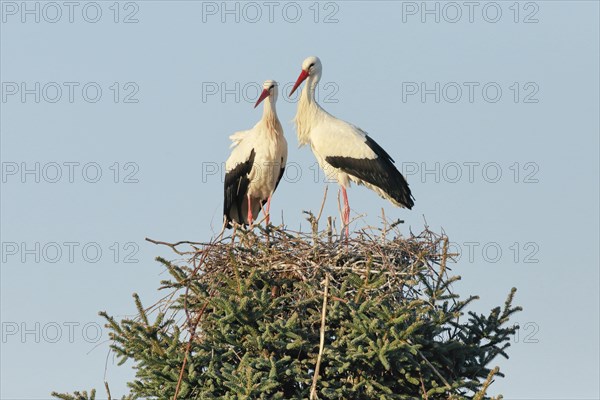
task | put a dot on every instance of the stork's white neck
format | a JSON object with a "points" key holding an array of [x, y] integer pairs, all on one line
{"points": [[308, 109], [269, 109], [269, 118]]}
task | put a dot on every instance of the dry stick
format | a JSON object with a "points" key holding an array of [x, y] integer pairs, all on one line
{"points": [[314, 222], [174, 245], [258, 222], [223, 227], [313, 390], [107, 390], [106, 362], [322, 204], [384, 230], [425, 397], [189, 346], [435, 370]]}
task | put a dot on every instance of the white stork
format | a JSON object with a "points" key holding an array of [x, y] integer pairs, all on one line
{"points": [[256, 164], [345, 152]]}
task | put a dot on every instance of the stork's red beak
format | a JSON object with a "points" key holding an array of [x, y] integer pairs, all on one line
{"points": [[263, 95], [301, 78]]}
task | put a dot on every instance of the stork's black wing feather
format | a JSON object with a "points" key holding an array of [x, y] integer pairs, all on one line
{"points": [[236, 188], [380, 172], [280, 174]]}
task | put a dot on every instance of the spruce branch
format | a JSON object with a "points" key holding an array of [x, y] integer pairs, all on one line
{"points": [[313, 390]]}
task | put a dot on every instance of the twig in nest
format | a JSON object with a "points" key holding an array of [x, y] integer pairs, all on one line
{"points": [[107, 390], [322, 204], [174, 245], [313, 390], [385, 227]]}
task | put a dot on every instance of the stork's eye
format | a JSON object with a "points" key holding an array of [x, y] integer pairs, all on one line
{"points": [[311, 65], [272, 86]]}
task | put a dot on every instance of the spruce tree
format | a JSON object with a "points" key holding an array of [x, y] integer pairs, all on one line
{"points": [[275, 314]]}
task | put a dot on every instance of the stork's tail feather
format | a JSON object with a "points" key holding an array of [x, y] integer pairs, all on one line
{"points": [[239, 214], [400, 192]]}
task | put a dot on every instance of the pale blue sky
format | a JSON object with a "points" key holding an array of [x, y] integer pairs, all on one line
{"points": [[375, 55]]}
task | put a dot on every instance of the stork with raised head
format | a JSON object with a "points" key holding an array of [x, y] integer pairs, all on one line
{"points": [[256, 164], [345, 152]]}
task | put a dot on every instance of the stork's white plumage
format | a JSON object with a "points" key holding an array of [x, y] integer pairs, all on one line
{"points": [[345, 152], [256, 164]]}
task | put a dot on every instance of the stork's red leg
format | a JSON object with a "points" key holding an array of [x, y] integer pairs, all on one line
{"points": [[346, 211], [249, 211], [268, 211]]}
